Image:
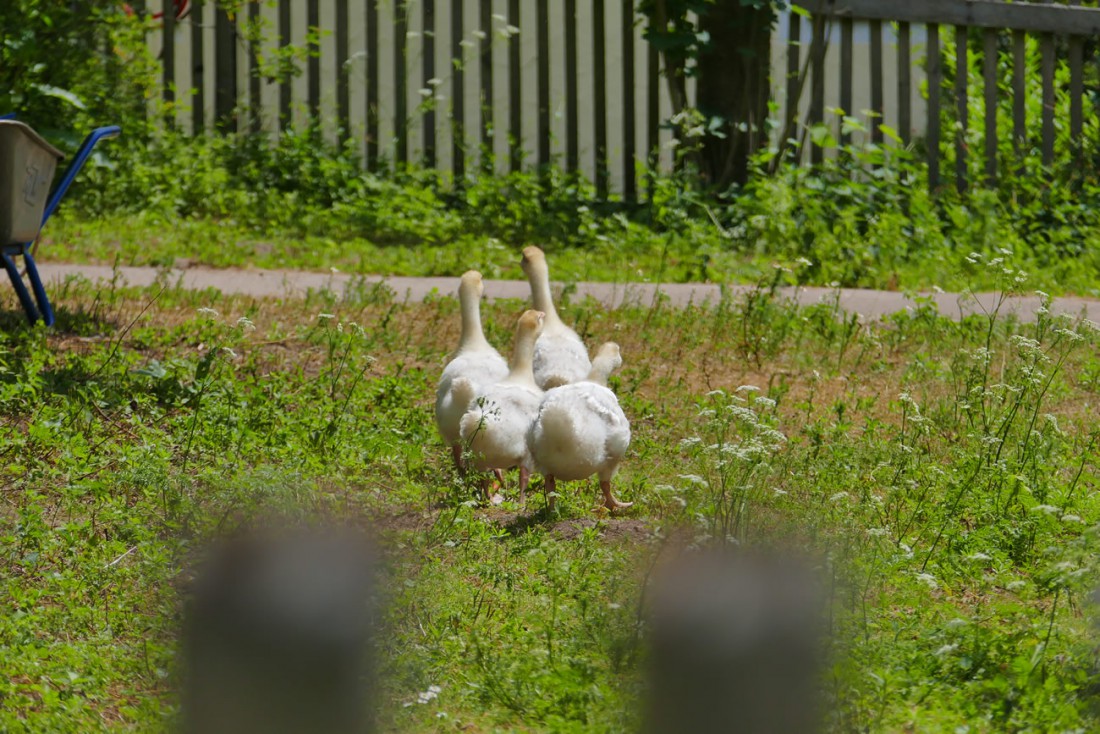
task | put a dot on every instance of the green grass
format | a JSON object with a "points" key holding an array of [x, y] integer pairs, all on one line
{"points": [[634, 254], [945, 470]]}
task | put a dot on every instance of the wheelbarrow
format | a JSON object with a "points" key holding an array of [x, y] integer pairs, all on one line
{"points": [[27, 165]]}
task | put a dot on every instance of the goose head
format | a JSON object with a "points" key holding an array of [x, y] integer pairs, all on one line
{"points": [[607, 360], [471, 285]]}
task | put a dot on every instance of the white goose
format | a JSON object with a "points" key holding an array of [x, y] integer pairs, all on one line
{"points": [[580, 430], [475, 360], [560, 355], [495, 425]]}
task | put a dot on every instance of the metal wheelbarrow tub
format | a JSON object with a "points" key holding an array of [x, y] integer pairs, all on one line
{"points": [[27, 165]]}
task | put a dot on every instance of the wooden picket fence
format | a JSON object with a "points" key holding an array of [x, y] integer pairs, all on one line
{"points": [[439, 82], [997, 21], [436, 81]]}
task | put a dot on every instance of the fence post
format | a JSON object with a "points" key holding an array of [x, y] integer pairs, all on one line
{"points": [[168, 54], [817, 81], [794, 81], [373, 79], [935, 82], [630, 144], [515, 110], [877, 104], [343, 102], [1047, 47], [458, 91], [427, 29], [989, 81], [284, 84], [198, 82], [962, 71], [225, 58], [1019, 99], [599, 31]]}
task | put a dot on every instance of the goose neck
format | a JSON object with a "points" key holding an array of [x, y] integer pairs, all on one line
{"points": [[541, 296], [472, 334], [521, 369]]}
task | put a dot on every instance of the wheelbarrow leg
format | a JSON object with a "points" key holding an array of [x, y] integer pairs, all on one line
{"points": [[20, 289], [43, 310]]}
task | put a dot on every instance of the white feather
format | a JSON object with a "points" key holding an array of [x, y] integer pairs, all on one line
{"points": [[475, 360], [580, 430]]}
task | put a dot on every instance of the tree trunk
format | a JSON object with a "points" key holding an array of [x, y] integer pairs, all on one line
{"points": [[733, 85]]}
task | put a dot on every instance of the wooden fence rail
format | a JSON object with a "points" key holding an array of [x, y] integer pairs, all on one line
{"points": [[997, 21]]}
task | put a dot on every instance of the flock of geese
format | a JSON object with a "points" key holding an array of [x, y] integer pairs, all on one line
{"points": [[548, 409]]}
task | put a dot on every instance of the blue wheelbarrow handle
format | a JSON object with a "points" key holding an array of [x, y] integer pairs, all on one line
{"points": [[100, 133]]}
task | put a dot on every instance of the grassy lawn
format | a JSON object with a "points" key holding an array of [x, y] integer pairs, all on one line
{"points": [[610, 249], [944, 472]]}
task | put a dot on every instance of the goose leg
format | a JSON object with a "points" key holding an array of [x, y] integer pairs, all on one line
{"points": [[548, 490], [456, 453], [487, 487], [609, 500], [524, 478]]}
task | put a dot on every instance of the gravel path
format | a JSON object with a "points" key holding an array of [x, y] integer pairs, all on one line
{"points": [[288, 283]]}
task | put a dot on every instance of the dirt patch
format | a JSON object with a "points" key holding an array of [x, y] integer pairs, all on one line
{"points": [[611, 529]]}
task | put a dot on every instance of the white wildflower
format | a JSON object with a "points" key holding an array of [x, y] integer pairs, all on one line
{"points": [[246, 323], [480, 35], [205, 311], [838, 497], [928, 580], [426, 696], [977, 557], [946, 650]]}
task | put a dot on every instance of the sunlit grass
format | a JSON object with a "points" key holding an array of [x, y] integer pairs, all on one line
{"points": [[943, 473]]}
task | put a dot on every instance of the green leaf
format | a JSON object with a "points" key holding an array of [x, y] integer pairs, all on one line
{"points": [[890, 133], [821, 136], [63, 94]]}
